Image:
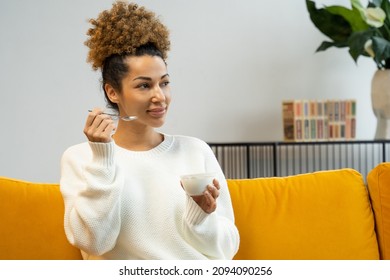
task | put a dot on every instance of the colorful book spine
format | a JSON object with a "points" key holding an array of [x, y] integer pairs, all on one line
{"points": [[319, 120], [293, 120], [289, 120]]}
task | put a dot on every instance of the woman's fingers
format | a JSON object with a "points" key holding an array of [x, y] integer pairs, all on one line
{"points": [[208, 200], [211, 202], [214, 189], [99, 127], [91, 116]]}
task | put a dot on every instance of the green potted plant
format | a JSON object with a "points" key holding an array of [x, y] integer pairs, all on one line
{"points": [[365, 31]]}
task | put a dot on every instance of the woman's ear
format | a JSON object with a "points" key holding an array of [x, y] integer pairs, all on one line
{"points": [[111, 93]]}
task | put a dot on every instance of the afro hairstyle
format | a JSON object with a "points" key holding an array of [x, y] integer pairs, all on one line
{"points": [[123, 29]]}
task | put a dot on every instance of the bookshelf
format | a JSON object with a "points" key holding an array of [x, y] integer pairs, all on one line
{"points": [[269, 159]]}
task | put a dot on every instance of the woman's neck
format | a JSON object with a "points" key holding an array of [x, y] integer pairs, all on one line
{"points": [[137, 138]]}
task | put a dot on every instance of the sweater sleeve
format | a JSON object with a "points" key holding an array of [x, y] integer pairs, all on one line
{"points": [[214, 235], [91, 190]]}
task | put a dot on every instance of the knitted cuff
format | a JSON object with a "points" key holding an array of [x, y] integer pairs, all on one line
{"points": [[194, 215], [103, 153]]}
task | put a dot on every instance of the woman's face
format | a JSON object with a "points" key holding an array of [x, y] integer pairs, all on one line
{"points": [[145, 90]]}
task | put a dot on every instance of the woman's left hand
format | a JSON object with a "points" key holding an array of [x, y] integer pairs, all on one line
{"points": [[208, 200]]}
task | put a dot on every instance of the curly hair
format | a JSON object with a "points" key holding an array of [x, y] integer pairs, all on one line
{"points": [[122, 30]]}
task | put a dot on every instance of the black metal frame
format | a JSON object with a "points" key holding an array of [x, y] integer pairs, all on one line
{"points": [[271, 159]]}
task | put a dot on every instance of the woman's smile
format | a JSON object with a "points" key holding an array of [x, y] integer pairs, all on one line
{"points": [[157, 112]]}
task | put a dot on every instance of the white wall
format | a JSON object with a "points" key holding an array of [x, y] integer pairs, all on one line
{"points": [[231, 65]]}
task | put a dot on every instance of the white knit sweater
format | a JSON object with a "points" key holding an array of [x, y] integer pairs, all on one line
{"points": [[121, 204]]}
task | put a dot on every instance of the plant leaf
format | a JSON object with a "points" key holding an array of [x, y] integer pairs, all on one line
{"points": [[353, 16], [385, 5], [326, 45], [357, 41], [381, 49], [332, 25], [376, 3]]}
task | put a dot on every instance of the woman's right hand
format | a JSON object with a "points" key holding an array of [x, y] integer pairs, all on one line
{"points": [[99, 127]]}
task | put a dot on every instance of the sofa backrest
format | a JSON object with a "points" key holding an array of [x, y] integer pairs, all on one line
{"points": [[31, 222], [320, 215]]}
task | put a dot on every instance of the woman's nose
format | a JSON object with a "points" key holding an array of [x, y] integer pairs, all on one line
{"points": [[158, 95]]}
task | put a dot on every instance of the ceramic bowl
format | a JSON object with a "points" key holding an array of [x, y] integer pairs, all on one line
{"points": [[195, 184]]}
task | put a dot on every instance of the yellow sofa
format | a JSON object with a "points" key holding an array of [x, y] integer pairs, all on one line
{"points": [[320, 215]]}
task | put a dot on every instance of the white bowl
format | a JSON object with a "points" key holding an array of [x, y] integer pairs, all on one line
{"points": [[195, 184]]}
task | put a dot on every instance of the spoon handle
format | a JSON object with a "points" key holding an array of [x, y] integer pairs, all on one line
{"points": [[128, 118], [105, 113]]}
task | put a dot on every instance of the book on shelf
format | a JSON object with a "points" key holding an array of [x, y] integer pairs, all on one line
{"points": [[319, 120], [292, 120]]}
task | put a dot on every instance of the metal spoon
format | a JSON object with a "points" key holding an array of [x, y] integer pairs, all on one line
{"points": [[125, 118]]}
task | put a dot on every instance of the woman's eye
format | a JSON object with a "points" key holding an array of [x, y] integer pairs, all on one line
{"points": [[165, 83], [142, 86]]}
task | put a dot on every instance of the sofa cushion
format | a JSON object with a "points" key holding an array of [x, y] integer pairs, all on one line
{"points": [[320, 215], [378, 180], [31, 217]]}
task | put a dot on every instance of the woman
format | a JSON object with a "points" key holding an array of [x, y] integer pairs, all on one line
{"points": [[122, 191]]}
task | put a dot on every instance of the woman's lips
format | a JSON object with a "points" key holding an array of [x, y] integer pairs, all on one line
{"points": [[157, 112]]}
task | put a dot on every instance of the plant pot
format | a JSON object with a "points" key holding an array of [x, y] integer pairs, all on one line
{"points": [[380, 98]]}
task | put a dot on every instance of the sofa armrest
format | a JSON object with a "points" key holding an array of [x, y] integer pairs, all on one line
{"points": [[378, 180]]}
